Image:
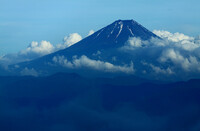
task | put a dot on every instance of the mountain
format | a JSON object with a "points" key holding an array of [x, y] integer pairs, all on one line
{"points": [[97, 54], [113, 83], [122, 48]]}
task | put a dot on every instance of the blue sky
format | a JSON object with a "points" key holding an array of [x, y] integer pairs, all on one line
{"points": [[22, 21]]}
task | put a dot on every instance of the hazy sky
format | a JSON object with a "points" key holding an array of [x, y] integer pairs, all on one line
{"points": [[24, 21]]}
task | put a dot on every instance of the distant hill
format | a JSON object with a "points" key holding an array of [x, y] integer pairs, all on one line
{"points": [[72, 102]]}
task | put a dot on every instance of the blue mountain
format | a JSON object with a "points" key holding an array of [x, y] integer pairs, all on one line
{"points": [[71, 101], [101, 48]]}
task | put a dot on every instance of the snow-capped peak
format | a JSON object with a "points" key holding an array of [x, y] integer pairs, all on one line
{"points": [[121, 30]]}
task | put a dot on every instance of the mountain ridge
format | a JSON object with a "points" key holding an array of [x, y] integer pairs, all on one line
{"points": [[107, 40], [107, 52]]}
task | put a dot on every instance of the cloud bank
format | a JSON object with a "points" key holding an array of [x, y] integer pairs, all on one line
{"points": [[34, 50], [38, 49], [190, 63], [85, 62], [173, 52]]}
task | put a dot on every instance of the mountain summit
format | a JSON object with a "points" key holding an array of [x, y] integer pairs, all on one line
{"points": [[121, 30], [114, 35], [117, 33]]}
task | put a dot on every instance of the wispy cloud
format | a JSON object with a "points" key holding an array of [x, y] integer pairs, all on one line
{"points": [[91, 32], [29, 72]]}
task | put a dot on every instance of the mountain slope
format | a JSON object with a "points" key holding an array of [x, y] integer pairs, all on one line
{"points": [[101, 50], [121, 48]]}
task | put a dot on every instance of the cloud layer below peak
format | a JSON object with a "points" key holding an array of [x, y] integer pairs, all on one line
{"points": [[37, 49], [85, 62], [173, 52]]}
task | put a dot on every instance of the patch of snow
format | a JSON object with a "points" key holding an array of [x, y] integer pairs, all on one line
{"points": [[100, 32], [112, 30], [131, 31], [121, 27]]}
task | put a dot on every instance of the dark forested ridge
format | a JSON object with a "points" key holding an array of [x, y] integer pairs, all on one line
{"points": [[72, 102]]}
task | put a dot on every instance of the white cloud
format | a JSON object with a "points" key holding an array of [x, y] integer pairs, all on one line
{"points": [[114, 58], [85, 62], [188, 45], [29, 72], [97, 53], [158, 70], [185, 44], [197, 39], [179, 40], [70, 40], [172, 51], [61, 60], [42, 48], [173, 40], [189, 63], [134, 43], [38, 49], [91, 32], [174, 37], [12, 58], [157, 42], [33, 51], [163, 71]]}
